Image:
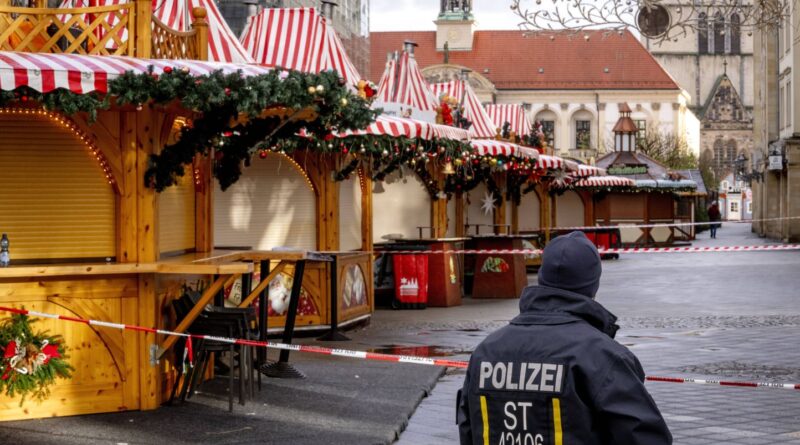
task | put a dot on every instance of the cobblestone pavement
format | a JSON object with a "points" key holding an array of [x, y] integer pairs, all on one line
{"points": [[721, 316]]}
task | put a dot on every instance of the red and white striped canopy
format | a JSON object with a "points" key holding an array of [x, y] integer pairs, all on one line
{"points": [[298, 39], [513, 114], [84, 74], [493, 147], [604, 181], [402, 83], [386, 85], [223, 46], [396, 127], [410, 128], [584, 171], [482, 125], [550, 162]]}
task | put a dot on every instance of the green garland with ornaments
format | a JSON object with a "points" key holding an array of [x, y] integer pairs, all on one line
{"points": [[229, 107], [32, 361]]}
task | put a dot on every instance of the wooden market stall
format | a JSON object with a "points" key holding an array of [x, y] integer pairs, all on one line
{"points": [[90, 236]]}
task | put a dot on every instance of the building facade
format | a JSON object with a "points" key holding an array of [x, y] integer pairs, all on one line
{"points": [[571, 84], [775, 155], [350, 19], [715, 66]]}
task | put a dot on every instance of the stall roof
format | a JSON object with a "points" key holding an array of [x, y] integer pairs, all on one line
{"points": [[493, 147], [514, 114], [85, 74], [402, 83], [655, 170], [585, 171], [411, 128], [604, 181], [298, 39], [482, 125], [697, 177]]}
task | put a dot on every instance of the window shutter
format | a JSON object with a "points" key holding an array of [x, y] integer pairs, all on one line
{"points": [[404, 205], [350, 214], [569, 210], [272, 205], [176, 218], [55, 202]]}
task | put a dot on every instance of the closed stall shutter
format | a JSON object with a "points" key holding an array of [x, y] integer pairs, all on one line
{"points": [[176, 217], [475, 213], [529, 209], [55, 202], [350, 214], [569, 210], [272, 205], [451, 218], [403, 205]]}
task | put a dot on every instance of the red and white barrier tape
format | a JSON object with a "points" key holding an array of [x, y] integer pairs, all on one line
{"points": [[363, 355], [673, 224], [622, 250]]}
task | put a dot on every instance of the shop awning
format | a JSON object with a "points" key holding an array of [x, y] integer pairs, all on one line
{"points": [[585, 171], [514, 114], [484, 147], [550, 162], [482, 125], [84, 74], [386, 125], [298, 39], [604, 181], [448, 132]]}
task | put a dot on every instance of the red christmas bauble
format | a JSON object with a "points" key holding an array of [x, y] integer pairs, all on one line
{"points": [[168, 69], [227, 91], [262, 154]]}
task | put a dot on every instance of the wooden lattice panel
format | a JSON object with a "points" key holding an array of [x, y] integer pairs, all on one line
{"points": [[104, 30], [170, 44]]}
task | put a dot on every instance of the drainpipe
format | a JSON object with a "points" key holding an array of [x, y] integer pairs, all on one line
{"points": [[597, 107]]}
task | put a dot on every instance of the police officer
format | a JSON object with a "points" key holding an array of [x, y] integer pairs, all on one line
{"points": [[555, 375]]}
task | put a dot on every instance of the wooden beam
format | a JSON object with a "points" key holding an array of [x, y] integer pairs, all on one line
{"points": [[142, 35], [205, 299], [263, 284], [127, 213], [366, 209], [460, 217], [204, 205]]}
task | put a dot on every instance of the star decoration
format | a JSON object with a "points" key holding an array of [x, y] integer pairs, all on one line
{"points": [[487, 203]]}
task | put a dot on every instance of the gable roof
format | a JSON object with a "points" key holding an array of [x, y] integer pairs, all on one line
{"points": [[555, 60], [724, 92]]}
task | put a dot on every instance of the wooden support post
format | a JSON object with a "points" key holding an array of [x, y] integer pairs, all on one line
{"points": [[514, 217], [500, 210], [127, 215], [460, 216], [142, 23], [545, 211], [204, 205], [366, 209], [201, 37]]}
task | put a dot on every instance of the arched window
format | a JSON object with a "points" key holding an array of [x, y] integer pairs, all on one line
{"points": [[734, 35], [702, 34], [719, 34]]}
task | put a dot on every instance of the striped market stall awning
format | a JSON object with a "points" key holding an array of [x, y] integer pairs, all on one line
{"points": [[386, 125], [402, 83], [604, 181], [223, 46], [84, 74], [585, 171], [297, 38], [484, 147], [514, 114], [550, 162], [482, 125]]}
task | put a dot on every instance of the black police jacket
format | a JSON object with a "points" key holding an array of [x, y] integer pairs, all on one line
{"points": [[555, 376]]}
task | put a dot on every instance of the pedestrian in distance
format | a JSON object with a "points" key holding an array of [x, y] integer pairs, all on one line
{"points": [[714, 216], [555, 375]]}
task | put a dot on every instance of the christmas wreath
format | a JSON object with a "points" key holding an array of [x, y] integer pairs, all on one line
{"points": [[31, 361]]}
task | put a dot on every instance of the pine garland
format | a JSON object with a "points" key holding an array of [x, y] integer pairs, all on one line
{"points": [[31, 361]]}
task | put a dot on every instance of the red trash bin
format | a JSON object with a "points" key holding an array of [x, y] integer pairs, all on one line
{"points": [[411, 280]]}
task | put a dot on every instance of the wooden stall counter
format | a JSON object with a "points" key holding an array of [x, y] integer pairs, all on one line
{"points": [[498, 275]]}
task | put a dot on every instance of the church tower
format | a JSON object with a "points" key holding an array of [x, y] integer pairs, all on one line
{"points": [[455, 25]]}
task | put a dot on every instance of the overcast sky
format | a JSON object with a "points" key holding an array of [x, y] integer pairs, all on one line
{"points": [[408, 15]]}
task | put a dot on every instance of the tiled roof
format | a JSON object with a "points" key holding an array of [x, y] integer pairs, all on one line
{"points": [[539, 61], [655, 170]]}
